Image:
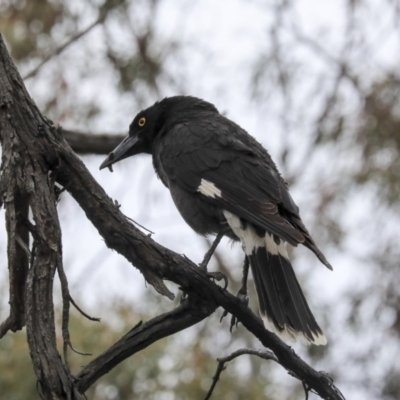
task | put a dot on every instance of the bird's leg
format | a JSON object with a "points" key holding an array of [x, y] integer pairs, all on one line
{"points": [[214, 275], [210, 252], [241, 294]]}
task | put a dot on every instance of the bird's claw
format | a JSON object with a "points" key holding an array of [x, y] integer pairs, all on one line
{"points": [[243, 296], [234, 321], [184, 297], [244, 299], [218, 276]]}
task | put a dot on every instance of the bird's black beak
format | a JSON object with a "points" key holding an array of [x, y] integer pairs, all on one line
{"points": [[123, 150]]}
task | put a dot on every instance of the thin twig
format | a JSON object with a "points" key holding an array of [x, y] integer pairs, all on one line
{"points": [[8, 324], [141, 226], [83, 312], [65, 312], [321, 50], [69, 344], [31, 228], [266, 355], [61, 48], [306, 390], [23, 245], [65, 316]]}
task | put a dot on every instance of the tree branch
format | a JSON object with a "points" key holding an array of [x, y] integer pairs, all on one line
{"points": [[266, 355], [187, 314], [86, 143], [58, 50], [18, 257]]}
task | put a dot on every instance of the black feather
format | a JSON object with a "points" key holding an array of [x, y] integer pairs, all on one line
{"points": [[280, 296]]}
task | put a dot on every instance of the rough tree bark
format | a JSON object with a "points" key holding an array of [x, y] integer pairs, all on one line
{"points": [[35, 155]]}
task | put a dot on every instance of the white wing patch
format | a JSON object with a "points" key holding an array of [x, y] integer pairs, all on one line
{"points": [[249, 238], [274, 248], [209, 189]]}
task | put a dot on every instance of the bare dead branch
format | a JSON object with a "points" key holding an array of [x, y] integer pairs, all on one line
{"points": [[342, 66], [188, 313], [82, 312], [58, 50], [23, 246], [87, 143], [141, 226], [18, 261], [266, 355]]}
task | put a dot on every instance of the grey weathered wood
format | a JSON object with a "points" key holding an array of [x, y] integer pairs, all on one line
{"points": [[27, 157], [87, 143]]}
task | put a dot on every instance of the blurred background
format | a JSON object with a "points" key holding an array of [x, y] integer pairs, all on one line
{"points": [[318, 84]]}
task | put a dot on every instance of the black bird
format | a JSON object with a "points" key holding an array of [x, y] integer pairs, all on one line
{"points": [[222, 180]]}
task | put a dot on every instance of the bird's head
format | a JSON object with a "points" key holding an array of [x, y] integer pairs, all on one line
{"points": [[153, 122], [142, 133]]}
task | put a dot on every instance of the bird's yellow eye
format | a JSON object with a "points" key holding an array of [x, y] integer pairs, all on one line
{"points": [[142, 121]]}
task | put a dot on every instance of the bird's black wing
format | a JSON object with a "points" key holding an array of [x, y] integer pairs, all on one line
{"points": [[203, 158]]}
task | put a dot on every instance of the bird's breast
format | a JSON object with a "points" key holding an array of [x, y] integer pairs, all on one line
{"points": [[158, 167], [203, 217]]}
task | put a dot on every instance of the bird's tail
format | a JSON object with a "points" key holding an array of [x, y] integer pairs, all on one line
{"points": [[283, 306]]}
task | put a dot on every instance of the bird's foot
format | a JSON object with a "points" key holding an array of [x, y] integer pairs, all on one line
{"points": [[243, 296], [184, 297], [218, 276], [244, 299]]}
